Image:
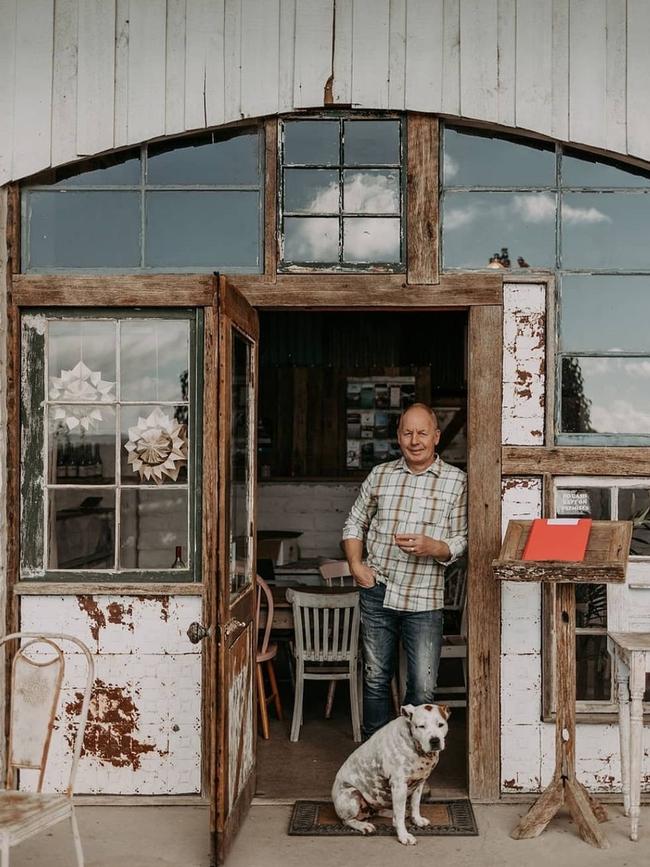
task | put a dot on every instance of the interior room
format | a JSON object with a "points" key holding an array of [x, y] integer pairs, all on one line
{"points": [[332, 386]]}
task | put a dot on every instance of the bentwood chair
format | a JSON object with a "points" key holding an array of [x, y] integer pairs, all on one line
{"points": [[36, 678], [326, 627], [265, 655]]}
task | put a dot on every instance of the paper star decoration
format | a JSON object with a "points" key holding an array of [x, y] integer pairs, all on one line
{"points": [[157, 447], [80, 384]]}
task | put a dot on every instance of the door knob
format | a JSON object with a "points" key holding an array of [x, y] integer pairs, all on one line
{"points": [[196, 632]]}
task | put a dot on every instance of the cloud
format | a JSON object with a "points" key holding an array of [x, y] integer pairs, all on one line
{"points": [[451, 167], [367, 192], [371, 240], [573, 215], [536, 208], [619, 417]]}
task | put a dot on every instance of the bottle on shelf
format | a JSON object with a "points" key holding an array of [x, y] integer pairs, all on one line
{"points": [[61, 468], [179, 563], [97, 462]]}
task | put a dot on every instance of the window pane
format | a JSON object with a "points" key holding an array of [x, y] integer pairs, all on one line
{"points": [[81, 360], [240, 466], [476, 226], [311, 239], [605, 313], [154, 448], [154, 359], [152, 525], [587, 171], [605, 230], [583, 503], [475, 160], [312, 142], [367, 239], [606, 395], [204, 229], [81, 530], [634, 505], [313, 191], [111, 170], [372, 191], [200, 160], [593, 668], [84, 229], [81, 444], [371, 142]]}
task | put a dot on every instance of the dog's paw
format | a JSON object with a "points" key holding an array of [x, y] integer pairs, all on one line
{"points": [[362, 827], [420, 821], [407, 839]]}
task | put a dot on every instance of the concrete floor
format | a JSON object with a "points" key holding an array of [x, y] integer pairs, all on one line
{"points": [[177, 836]]}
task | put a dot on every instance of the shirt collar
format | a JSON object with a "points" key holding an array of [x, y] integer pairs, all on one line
{"points": [[433, 468]]}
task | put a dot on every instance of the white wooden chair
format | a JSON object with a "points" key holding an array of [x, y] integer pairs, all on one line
{"points": [[335, 572], [454, 645], [326, 627], [36, 681]]}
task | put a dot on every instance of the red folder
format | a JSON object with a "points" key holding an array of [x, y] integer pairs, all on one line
{"points": [[557, 539]]}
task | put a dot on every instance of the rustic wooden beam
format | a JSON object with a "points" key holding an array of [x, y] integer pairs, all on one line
{"points": [[575, 461], [422, 198], [270, 198], [121, 290], [483, 591], [90, 588]]}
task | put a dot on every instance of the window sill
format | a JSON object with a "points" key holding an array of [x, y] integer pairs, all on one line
{"points": [[78, 588]]}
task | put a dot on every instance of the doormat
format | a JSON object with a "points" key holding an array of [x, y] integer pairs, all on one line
{"points": [[449, 818]]}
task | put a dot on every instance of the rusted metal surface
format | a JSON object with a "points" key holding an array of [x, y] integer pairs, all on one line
{"points": [[144, 727], [524, 363]]}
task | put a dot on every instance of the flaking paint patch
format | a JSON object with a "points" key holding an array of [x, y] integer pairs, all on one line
{"points": [[164, 605], [95, 614], [112, 724], [117, 612]]}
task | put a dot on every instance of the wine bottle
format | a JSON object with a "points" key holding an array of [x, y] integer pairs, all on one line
{"points": [[178, 562], [97, 460]]}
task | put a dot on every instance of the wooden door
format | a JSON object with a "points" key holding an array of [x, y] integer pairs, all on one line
{"points": [[232, 597]]}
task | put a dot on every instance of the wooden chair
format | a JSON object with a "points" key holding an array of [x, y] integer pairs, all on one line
{"points": [[266, 653], [326, 647], [454, 645], [36, 681]]}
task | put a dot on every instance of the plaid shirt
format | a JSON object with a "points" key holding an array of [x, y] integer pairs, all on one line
{"points": [[393, 499]]}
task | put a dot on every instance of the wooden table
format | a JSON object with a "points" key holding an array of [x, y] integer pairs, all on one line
{"points": [[605, 561], [631, 654]]}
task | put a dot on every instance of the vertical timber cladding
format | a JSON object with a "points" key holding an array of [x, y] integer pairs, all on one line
{"points": [[484, 507]]}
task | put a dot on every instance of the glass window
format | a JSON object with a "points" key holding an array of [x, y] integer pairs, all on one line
{"points": [[510, 230], [587, 170], [191, 204], [241, 452], [109, 446], [473, 159], [350, 182], [605, 231]]}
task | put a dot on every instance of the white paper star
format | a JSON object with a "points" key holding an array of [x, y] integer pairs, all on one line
{"points": [[80, 384], [157, 447]]}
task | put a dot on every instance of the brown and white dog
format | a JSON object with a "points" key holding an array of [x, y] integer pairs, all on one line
{"points": [[389, 767]]}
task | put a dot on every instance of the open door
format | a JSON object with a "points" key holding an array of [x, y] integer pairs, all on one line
{"points": [[231, 603]]}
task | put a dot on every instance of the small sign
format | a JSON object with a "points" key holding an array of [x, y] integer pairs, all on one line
{"points": [[573, 501]]}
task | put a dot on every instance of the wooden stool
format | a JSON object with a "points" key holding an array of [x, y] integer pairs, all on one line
{"points": [[631, 655], [265, 655]]}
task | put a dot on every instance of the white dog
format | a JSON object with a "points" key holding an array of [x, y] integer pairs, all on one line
{"points": [[391, 765]]}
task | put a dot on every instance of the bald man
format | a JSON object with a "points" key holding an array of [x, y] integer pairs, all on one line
{"points": [[411, 516]]}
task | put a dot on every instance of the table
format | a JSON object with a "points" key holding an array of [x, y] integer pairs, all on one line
{"points": [[631, 654], [605, 561]]}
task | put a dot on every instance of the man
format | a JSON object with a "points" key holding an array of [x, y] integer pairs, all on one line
{"points": [[412, 516]]}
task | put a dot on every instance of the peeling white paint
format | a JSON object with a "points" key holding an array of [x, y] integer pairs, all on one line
{"points": [[524, 377]]}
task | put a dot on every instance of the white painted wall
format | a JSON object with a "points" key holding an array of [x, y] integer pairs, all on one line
{"points": [[78, 77]]}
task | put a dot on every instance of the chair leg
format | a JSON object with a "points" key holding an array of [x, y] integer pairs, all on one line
{"points": [[394, 692], [354, 706], [330, 699], [275, 693], [261, 702], [4, 851], [297, 705], [77, 839]]}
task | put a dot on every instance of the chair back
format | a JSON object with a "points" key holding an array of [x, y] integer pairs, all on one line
{"points": [[36, 680], [456, 591], [326, 626], [264, 597], [334, 571]]}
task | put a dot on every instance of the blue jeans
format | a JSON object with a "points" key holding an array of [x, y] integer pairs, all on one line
{"points": [[381, 629]]}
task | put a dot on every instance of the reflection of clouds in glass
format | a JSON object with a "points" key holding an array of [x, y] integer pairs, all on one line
{"points": [[534, 209], [325, 201], [314, 239], [371, 192], [455, 218], [619, 417], [573, 215], [371, 240], [616, 367], [451, 167]]}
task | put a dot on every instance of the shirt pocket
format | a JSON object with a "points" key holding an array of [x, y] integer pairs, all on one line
{"points": [[435, 517]]}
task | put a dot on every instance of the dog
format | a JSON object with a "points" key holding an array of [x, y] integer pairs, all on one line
{"points": [[389, 767]]}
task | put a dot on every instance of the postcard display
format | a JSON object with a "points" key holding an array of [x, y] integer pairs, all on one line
{"points": [[373, 407]]}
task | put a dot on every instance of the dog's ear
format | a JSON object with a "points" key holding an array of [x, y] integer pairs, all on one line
{"points": [[407, 711], [444, 710]]}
